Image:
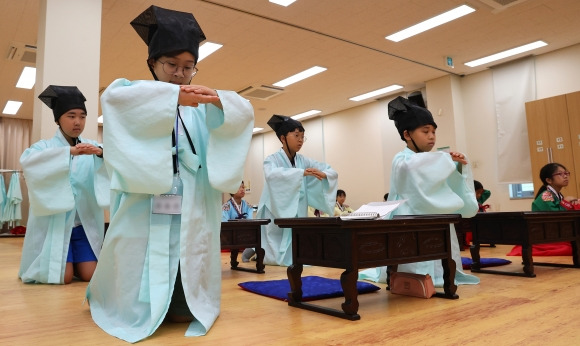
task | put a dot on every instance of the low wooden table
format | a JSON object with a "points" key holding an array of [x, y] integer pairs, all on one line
{"points": [[238, 235], [358, 244], [461, 229], [525, 229]]}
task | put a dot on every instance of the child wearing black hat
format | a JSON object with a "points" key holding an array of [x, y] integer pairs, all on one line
{"points": [[430, 182], [292, 183], [68, 189], [172, 150]]}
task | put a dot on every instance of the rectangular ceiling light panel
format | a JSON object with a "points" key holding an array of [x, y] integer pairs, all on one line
{"points": [[431, 23], [506, 53], [12, 107], [376, 92], [299, 76]]}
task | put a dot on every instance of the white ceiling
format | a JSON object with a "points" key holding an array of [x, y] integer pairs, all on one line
{"points": [[264, 43]]}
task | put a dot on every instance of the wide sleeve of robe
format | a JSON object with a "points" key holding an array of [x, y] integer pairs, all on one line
{"points": [[47, 169], [140, 156], [228, 141]]}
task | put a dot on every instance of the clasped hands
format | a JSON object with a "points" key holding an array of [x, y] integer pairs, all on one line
{"points": [[86, 149], [193, 95], [315, 173]]}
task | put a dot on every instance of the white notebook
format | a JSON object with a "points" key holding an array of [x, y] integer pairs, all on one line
{"points": [[373, 210]]}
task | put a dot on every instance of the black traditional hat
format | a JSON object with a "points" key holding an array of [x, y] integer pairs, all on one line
{"points": [[408, 116], [283, 124], [62, 99], [166, 31]]}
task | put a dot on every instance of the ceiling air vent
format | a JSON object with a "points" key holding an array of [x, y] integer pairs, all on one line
{"points": [[262, 92], [499, 5], [22, 52]]}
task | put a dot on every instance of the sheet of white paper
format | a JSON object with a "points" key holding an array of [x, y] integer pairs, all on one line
{"points": [[381, 208]]}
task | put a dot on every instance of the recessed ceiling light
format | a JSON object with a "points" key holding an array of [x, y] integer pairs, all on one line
{"points": [[376, 92], [27, 78], [282, 2], [208, 48], [300, 76], [306, 114], [506, 53], [431, 23], [12, 107], [257, 129]]}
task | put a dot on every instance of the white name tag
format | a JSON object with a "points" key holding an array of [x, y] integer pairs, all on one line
{"points": [[166, 204]]}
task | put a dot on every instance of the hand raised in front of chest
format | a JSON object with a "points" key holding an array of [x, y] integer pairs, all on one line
{"points": [[458, 157], [85, 149], [193, 95], [315, 173]]}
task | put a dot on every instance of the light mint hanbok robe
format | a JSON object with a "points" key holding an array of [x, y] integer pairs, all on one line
{"points": [[288, 193], [59, 187], [131, 289], [229, 211], [12, 212], [432, 184], [3, 198]]}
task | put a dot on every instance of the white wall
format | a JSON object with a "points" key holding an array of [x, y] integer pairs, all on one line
{"points": [[354, 148], [359, 143], [558, 73]]}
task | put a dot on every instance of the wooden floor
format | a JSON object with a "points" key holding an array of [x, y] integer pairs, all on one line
{"points": [[501, 310]]}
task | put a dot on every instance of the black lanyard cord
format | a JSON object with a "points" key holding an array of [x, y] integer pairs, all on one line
{"points": [[186, 133], [174, 155], [175, 163]]}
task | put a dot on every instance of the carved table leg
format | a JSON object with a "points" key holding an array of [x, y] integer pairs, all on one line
{"points": [[449, 286], [575, 258], [476, 260], [234, 258], [294, 272], [348, 282], [260, 253], [527, 260]]}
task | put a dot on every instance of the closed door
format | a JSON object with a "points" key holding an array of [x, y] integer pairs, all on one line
{"points": [[573, 105], [550, 139], [538, 139]]}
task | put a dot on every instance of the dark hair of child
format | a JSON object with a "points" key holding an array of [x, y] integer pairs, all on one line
{"points": [[547, 172]]}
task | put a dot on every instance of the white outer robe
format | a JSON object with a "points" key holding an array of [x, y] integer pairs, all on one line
{"points": [[131, 289], [59, 186], [431, 184], [288, 193]]}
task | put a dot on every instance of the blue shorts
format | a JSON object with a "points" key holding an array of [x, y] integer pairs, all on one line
{"points": [[79, 248]]}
